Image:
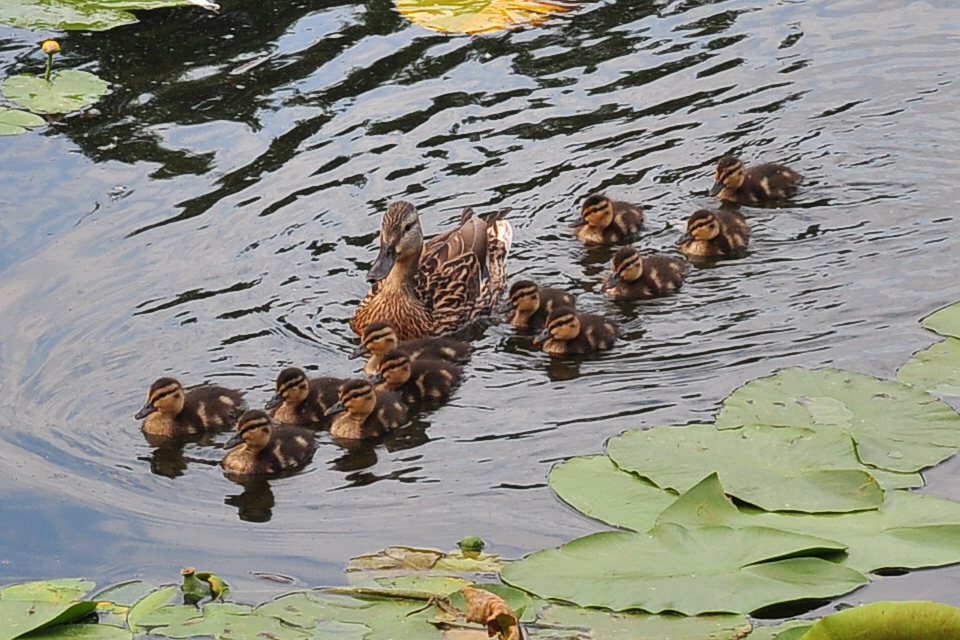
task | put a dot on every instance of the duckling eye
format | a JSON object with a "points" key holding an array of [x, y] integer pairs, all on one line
{"points": [[407, 227]]}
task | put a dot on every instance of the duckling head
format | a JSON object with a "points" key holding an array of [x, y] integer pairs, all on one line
{"points": [[627, 265], [702, 225], [524, 297], [166, 395], [356, 397], [596, 211], [292, 388], [378, 338], [401, 240], [254, 429], [729, 174], [563, 324], [394, 370]]}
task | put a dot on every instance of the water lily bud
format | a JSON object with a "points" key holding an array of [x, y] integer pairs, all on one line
{"points": [[50, 47]]}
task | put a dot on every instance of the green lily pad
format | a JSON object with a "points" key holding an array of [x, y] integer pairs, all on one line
{"points": [[148, 604], [893, 426], [570, 623], [946, 321], [785, 469], [66, 15], [68, 90], [789, 630], [478, 16], [383, 619], [14, 122], [690, 571], [889, 621], [82, 632], [936, 369], [54, 591], [18, 617]]}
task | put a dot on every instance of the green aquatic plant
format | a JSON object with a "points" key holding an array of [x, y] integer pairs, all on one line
{"points": [[78, 15], [63, 92]]}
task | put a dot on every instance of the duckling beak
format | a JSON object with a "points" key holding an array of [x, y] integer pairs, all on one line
{"points": [[234, 441], [612, 281], [384, 262], [336, 408], [542, 337], [579, 223], [685, 238], [716, 188], [145, 411], [505, 306], [359, 352], [377, 378], [274, 402]]}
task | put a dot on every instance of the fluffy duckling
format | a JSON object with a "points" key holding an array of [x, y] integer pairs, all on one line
{"points": [[302, 400], [713, 234], [419, 381], [365, 412], [639, 278], [261, 447], [749, 185], [380, 337], [170, 411], [606, 221], [530, 304], [570, 333]]}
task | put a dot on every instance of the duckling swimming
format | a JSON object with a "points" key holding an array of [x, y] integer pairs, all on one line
{"points": [[169, 411], [302, 400], [714, 234], [260, 447], [380, 337], [606, 221], [530, 304], [570, 333], [365, 412], [417, 381], [750, 185], [639, 278]]}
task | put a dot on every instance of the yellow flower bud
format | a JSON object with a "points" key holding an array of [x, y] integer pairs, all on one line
{"points": [[50, 47]]}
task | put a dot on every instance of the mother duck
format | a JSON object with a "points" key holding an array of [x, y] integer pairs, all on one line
{"points": [[437, 287]]}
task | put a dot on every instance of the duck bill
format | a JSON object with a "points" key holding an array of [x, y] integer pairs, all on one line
{"points": [[542, 337], [684, 239], [336, 408], [359, 352], [234, 441], [613, 281], [145, 411], [579, 223], [505, 306], [274, 402], [716, 188], [377, 379], [384, 262]]}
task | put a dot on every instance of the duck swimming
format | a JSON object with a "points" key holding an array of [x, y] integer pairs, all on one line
{"points": [[715, 234], [751, 185], [571, 333], [170, 411], [261, 447], [606, 221], [380, 337], [636, 277]]}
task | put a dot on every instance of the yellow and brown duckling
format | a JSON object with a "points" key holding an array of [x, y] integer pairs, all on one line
{"points": [[439, 287], [380, 337], [302, 400], [171, 411], [364, 412], [636, 277], [715, 234], [261, 447], [571, 333], [606, 221], [751, 185], [530, 304], [417, 381]]}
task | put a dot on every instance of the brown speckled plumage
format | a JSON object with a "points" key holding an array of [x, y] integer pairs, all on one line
{"points": [[364, 412], [529, 304], [752, 185], [636, 277], [170, 411], [417, 381], [606, 221], [380, 337], [261, 447], [571, 333], [715, 234], [301, 400]]}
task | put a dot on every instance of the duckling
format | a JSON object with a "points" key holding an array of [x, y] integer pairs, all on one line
{"points": [[439, 287], [570, 333], [530, 304], [749, 185], [169, 411], [365, 412], [639, 278], [380, 337], [261, 447], [606, 221], [419, 381], [713, 234], [302, 400]]}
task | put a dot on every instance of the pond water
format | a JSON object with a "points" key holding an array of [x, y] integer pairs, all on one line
{"points": [[214, 219]]}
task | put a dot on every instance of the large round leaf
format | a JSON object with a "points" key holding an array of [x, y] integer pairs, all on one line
{"points": [[477, 16], [75, 14], [691, 571], [946, 321], [936, 369], [889, 621], [893, 426], [568, 623], [785, 469], [69, 90], [14, 121]]}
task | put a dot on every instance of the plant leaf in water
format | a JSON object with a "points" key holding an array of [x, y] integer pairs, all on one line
{"points": [[889, 621], [54, 591], [68, 90], [775, 469], [946, 321], [690, 571], [571, 623], [82, 632], [936, 369], [15, 121], [396, 558], [148, 604], [490, 610], [477, 16], [894, 426], [66, 15], [17, 616], [789, 630]]}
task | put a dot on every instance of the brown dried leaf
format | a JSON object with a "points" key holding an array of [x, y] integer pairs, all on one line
{"points": [[490, 609]]}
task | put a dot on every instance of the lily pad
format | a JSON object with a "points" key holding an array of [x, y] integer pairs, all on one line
{"points": [[477, 16], [946, 321], [54, 591], [68, 90], [15, 121], [571, 623], [936, 369], [893, 426], [82, 632], [690, 571], [66, 15], [786, 469], [889, 621], [148, 604]]}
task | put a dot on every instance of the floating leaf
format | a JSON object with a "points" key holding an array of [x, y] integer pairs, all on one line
{"points": [[14, 121], [526, 607], [82, 632], [489, 609], [776, 469], [789, 630], [572, 623], [17, 617], [946, 321], [936, 369], [68, 90], [889, 621], [55, 591], [393, 558], [94, 15], [691, 571], [477, 16], [148, 604], [894, 427]]}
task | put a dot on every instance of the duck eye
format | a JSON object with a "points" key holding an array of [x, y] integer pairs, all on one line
{"points": [[407, 227]]}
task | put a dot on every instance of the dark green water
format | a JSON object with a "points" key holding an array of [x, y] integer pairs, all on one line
{"points": [[215, 218]]}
